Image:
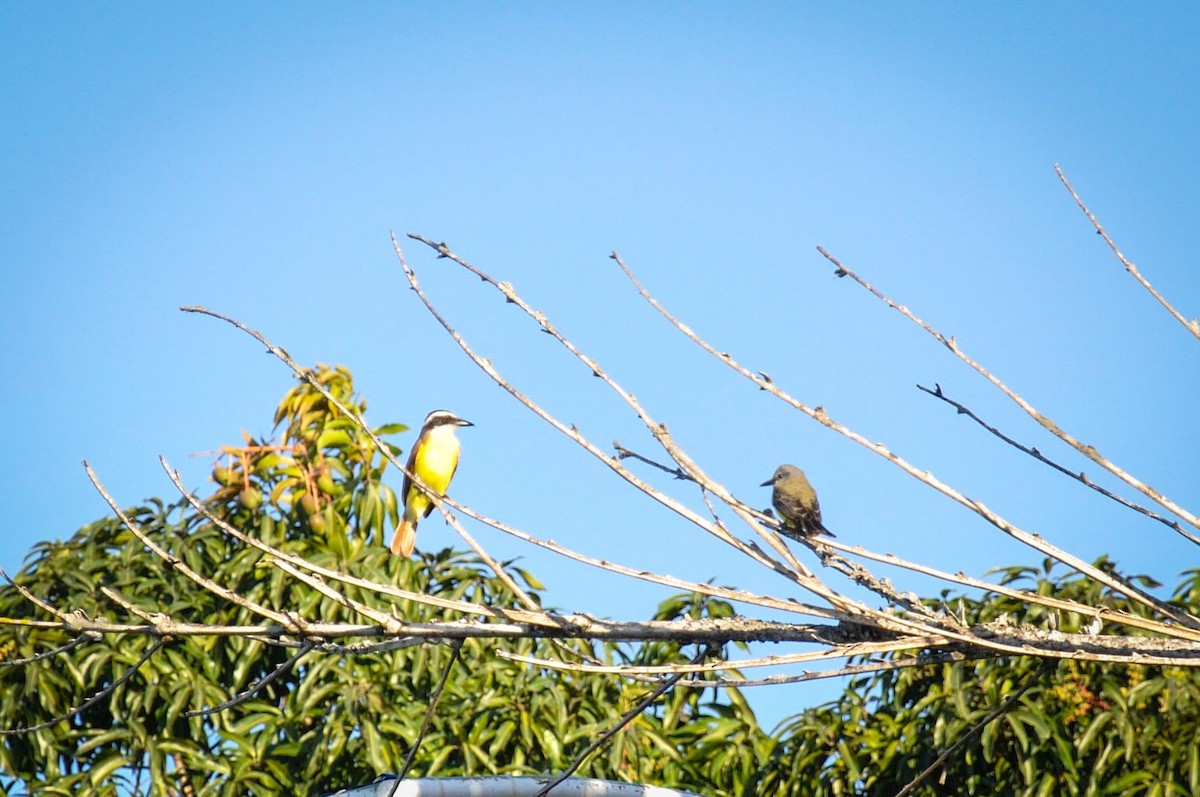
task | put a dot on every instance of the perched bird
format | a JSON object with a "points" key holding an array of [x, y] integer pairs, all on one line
{"points": [[795, 501], [433, 460]]}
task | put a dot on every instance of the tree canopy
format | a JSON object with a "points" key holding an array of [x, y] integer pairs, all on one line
{"points": [[261, 714]]}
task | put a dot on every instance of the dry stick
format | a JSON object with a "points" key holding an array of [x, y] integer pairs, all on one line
{"points": [[306, 375], [245, 695], [742, 596], [386, 621], [880, 665], [764, 382], [657, 430], [1008, 703], [289, 620], [625, 453], [798, 574], [627, 718], [433, 701], [1080, 477], [1087, 450], [998, 638], [64, 617], [1192, 326], [466, 607], [895, 623], [94, 699], [49, 654], [838, 651]]}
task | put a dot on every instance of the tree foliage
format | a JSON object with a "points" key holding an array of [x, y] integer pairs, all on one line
{"points": [[1082, 728], [334, 719], [337, 717]]}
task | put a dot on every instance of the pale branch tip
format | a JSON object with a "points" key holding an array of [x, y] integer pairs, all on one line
{"points": [[1192, 326]]}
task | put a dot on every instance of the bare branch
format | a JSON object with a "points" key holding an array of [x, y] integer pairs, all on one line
{"points": [[837, 651], [625, 453], [455, 653], [242, 697], [797, 573], [49, 654]]}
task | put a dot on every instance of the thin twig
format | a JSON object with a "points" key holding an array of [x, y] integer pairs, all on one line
{"points": [[625, 453], [876, 665], [49, 654], [627, 718], [242, 697], [1008, 703], [94, 699], [1080, 477], [1192, 326], [36, 601], [834, 652], [455, 652]]}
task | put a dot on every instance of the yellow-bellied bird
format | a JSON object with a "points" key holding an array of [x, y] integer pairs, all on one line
{"points": [[795, 501], [433, 460]]}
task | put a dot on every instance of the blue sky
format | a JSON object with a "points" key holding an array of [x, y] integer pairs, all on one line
{"points": [[253, 158]]}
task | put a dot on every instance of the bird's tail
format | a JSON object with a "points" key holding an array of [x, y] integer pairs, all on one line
{"points": [[405, 538]]}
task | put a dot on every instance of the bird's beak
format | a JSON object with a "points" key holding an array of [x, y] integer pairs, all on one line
{"points": [[461, 422], [768, 482]]}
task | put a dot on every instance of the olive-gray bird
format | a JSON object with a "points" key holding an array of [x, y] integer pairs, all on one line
{"points": [[796, 503]]}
